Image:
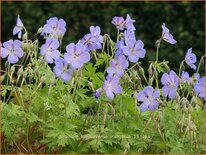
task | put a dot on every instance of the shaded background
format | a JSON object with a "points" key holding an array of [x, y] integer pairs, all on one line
{"points": [[184, 19]]}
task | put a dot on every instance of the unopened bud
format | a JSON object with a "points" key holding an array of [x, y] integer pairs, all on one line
{"points": [[12, 69], [43, 78], [141, 70], [20, 71], [157, 44], [52, 80], [24, 74], [40, 30], [166, 67], [25, 36]]}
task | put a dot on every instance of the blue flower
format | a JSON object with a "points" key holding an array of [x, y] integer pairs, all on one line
{"points": [[119, 22], [166, 35], [97, 93], [148, 97], [62, 69], [200, 86], [111, 86], [18, 27], [50, 50], [129, 23], [185, 78], [54, 27], [76, 55], [93, 40], [190, 58], [118, 66], [134, 50], [12, 50], [170, 82]]}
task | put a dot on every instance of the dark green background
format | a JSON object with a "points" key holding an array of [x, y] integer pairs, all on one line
{"points": [[184, 19]]}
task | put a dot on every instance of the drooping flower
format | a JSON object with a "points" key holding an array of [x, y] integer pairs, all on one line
{"points": [[93, 40], [50, 50], [134, 50], [54, 27], [200, 86], [18, 27], [129, 23], [185, 78], [12, 50], [166, 35], [63, 70], [190, 58], [119, 22], [148, 98], [170, 82], [111, 86], [118, 66], [76, 55]]}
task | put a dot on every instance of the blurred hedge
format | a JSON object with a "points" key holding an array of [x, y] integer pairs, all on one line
{"points": [[184, 19]]}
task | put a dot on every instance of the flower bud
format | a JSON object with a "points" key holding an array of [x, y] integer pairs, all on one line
{"points": [[43, 78], [12, 69], [91, 86], [52, 80], [97, 93], [190, 108], [166, 66], [2, 77], [40, 30], [20, 71], [157, 44], [150, 70], [24, 74], [141, 70], [25, 36]]}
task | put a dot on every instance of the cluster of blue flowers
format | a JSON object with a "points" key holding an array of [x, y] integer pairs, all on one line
{"points": [[127, 49]]}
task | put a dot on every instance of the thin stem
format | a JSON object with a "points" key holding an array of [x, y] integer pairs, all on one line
{"points": [[117, 35], [181, 65], [201, 60], [157, 55]]}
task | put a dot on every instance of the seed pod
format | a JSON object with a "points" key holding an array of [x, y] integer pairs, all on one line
{"points": [[40, 30], [178, 99], [20, 71], [25, 36], [157, 44], [190, 108], [25, 74], [141, 70], [166, 66], [43, 78], [150, 70], [90, 85], [2, 77], [52, 80]]}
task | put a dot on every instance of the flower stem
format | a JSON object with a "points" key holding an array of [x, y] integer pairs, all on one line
{"points": [[157, 54], [181, 65], [201, 60]]}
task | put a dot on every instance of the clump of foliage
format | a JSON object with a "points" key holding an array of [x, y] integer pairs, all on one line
{"points": [[96, 97]]}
